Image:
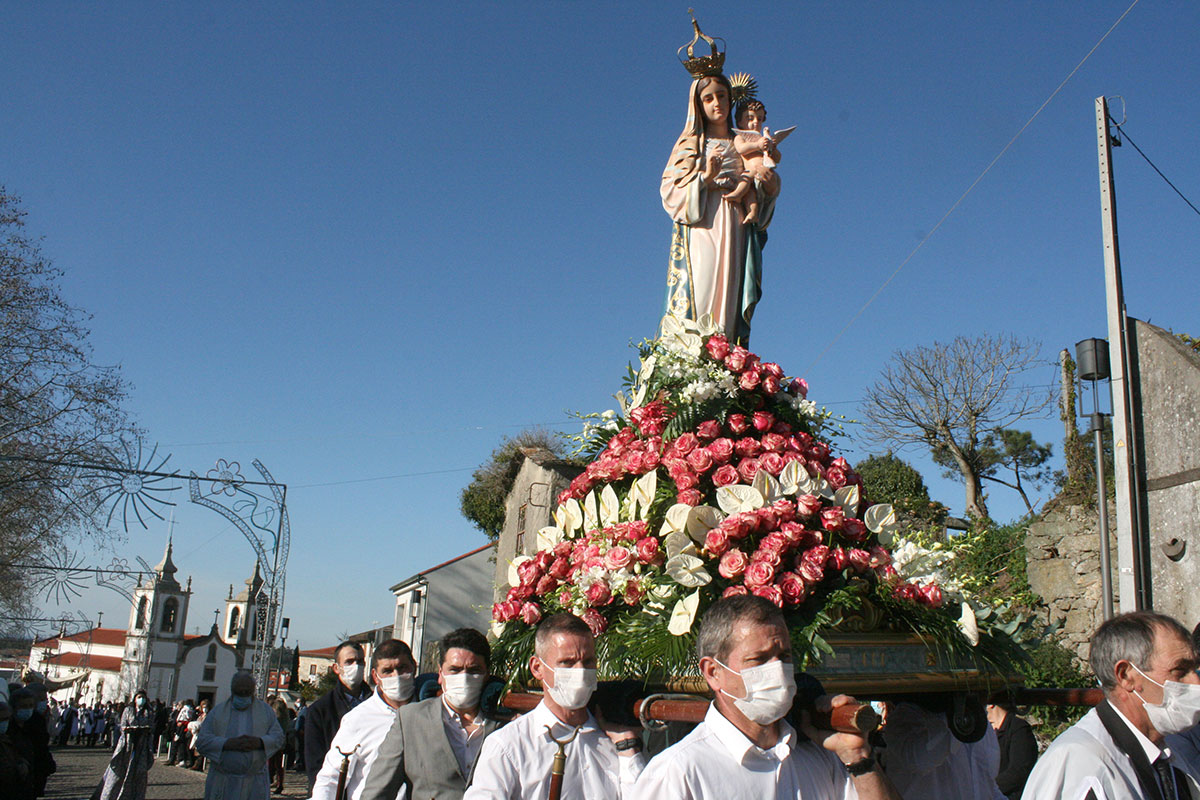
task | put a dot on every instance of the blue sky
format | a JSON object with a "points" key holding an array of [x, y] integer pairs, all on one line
{"points": [[358, 240]]}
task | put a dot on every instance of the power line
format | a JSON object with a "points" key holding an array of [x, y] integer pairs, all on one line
{"points": [[974, 183], [1156, 169]]}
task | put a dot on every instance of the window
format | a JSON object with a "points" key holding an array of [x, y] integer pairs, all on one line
{"points": [[143, 606], [170, 612], [312, 669], [521, 529], [210, 674], [212, 655], [235, 617]]}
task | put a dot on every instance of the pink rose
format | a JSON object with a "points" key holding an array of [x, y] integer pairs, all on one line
{"points": [[528, 572], [748, 469], [498, 614], [716, 541], [807, 505], [736, 360], [887, 573], [817, 554], [564, 598], [634, 462], [595, 620], [880, 557], [700, 460], [769, 553], [838, 559], [854, 529], [770, 384], [684, 444], [650, 460], [737, 423], [770, 592], [810, 571], [546, 585], [531, 614], [763, 421], [633, 593], [709, 429], [799, 386], [618, 557], [931, 595], [519, 594], [819, 451], [749, 380], [721, 450], [782, 428], [774, 442], [833, 518], [772, 369], [836, 474], [785, 510], [793, 532], [637, 530], [686, 480], [767, 518], [907, 591], [718, 347], [793, 588], [690, 497], [759, 573], [735, 591], [748, 447], [859, 559], [772, 463], [725, 475], [647, 549], [598, 594], [733, 563]]}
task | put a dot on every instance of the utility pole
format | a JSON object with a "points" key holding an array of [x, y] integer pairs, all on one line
{"points": [[1133, 586]]}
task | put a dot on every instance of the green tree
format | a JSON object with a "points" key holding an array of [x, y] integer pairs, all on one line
{"points": [[889, 479], [56, 406], [482, 501], [1010, 458], [950, 396]]}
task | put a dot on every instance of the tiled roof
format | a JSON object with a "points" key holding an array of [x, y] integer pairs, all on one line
{"points": [[108, 636], [108, 663]]}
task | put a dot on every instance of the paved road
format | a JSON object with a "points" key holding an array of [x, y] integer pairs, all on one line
{"points": [[80, 769]]}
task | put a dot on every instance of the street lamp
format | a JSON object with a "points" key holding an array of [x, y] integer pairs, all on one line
{"points": [[283, 632], [1091, 359]]}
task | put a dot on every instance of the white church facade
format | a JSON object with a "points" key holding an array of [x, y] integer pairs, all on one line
{"points": [[153, 652]]}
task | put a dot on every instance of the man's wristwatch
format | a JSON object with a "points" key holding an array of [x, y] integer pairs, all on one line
{"points": [[633, 743], [861, 767]]}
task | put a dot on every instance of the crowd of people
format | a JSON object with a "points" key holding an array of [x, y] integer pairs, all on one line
{"points": [[391, 737]]}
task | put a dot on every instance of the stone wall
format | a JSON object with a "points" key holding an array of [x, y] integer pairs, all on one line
{"points": [[1166, 377], [1063, 559]]}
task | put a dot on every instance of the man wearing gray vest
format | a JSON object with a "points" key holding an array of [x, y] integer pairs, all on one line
{"points": [[431, 749]]}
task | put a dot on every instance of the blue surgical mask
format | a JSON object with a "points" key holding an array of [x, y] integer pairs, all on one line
{"points": [[23, 714], [241, 703]]}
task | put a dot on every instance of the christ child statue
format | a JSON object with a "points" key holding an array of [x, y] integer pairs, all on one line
{"points": [[757, 147]]}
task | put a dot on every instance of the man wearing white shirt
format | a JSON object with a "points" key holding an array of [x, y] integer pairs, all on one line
{"points": [[237, 737], [362, 730], [1146, 665], [744, 748], [601, 762], [432, 748]]}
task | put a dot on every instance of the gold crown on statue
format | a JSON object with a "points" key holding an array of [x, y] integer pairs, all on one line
{"points": [[702, 66]]}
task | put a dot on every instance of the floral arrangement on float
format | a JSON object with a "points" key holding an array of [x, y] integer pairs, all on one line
{"points": [[718, 478]]}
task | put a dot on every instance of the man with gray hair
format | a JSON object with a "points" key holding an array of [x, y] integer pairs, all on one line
{"points": [[1146, 665], [238, 737], [745, 748]]}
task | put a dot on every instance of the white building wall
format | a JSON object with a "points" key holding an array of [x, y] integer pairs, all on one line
{"points": [[198, 676]]}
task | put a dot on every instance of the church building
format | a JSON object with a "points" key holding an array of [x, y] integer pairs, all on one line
{"points": [[153, 652]]}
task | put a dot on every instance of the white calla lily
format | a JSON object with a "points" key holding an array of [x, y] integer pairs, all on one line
{"points": [[767, 486], [570, 516], [591, 518], [794, 476], [610, 506], [514, 579], [684, 614], [676, 519], [678, 543], [969, 625], [688, 570], [880, 517], [847, 497], [738, 498], [549, 536], [641, 495], [701, 520]]}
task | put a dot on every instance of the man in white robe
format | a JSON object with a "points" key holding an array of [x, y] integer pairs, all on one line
{"points": [[1119, 751], [238, 737]]}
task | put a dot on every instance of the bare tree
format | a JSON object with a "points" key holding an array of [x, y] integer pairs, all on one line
{"points": [[950, 397], [56, 407]]}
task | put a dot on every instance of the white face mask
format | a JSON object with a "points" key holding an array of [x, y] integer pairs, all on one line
{"points": [[462, 689], [397, 687], [1179, 709], [352, 674], [573, 686], [770, 689]]}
